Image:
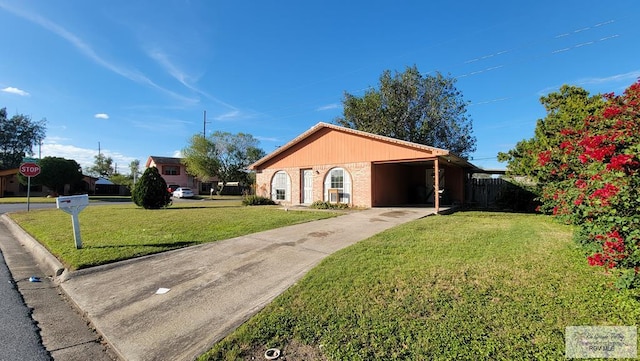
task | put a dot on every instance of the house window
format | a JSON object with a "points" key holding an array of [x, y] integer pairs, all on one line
{"points": [[281, 187], [337, 186], [170, 170]]}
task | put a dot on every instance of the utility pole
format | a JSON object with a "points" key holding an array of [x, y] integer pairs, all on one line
{"points": [[204, 124]]}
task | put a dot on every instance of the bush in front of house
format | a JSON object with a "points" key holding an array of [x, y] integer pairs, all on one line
{"points": [[150, 192], [594, 183], [253, 200], [327, 205]]}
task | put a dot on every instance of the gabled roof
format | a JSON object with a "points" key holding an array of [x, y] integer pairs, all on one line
{"points": [[163, 160], [320, 126]]}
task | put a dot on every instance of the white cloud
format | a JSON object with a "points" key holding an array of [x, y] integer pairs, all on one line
{"points": [[232, 115], [626, 77], [328, 107], [89, 52], [101, 116], [267, 139], [608, 83], [181, 76], [12, 90], [52, 147]]}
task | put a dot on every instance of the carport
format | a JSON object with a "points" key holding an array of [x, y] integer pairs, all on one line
{"points": [[413, 182]]}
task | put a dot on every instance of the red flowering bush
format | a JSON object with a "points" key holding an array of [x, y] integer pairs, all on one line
{"points": [[593, 181]]}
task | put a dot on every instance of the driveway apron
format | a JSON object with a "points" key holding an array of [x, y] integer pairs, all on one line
{"points": [[176, 305]]}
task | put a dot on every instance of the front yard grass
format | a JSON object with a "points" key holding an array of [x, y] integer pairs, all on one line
{"points": [[121, 231], [470, 285]]}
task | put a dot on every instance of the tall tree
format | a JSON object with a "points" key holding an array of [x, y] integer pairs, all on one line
{"points": [[56, 173], [134, 170], [421, 109], [18, 136], [566, 109], [223, 156], [102, 166]]}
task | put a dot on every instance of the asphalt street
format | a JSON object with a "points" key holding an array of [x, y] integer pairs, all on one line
{"points": [[19, 335], [37, 321]]}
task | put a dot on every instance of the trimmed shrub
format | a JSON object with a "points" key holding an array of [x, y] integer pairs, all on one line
{"points": [[151, 190], [253, 200], [327, 205]]}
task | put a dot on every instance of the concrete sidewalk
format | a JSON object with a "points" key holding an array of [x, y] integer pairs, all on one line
{"points": [[213, 288]]}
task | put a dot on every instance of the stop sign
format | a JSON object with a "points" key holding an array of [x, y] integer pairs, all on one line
{"points": [[29, 169]]}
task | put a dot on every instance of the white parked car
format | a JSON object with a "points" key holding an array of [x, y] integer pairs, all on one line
{"points": [[183, 192]]}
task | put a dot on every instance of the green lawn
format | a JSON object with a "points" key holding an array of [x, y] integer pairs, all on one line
{"points": [[122, 231], [8, 200], [470, 285], [40, 199]]}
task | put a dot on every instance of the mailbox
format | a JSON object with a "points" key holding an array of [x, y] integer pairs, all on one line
{"points": [[73, 201], [73, 205]]}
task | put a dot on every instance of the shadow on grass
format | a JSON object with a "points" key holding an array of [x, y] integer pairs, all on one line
{"points": [[196, 207], [171, 245]]}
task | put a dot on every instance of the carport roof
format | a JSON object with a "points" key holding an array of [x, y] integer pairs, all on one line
{"points": [[441, 153]]}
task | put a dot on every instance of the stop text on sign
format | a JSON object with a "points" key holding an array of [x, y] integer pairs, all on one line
{"points": [[29, 169]]}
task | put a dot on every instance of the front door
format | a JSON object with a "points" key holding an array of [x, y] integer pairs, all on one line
{"points": [[307, 186]]}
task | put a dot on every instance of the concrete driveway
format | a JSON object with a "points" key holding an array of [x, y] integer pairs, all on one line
{"points": [[213, 288]]}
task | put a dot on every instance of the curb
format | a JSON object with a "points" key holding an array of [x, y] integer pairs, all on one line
{"points": [[48, 262]]}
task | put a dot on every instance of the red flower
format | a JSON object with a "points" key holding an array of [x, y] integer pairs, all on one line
{"points": [[544, 157], [608, 191], [611, 112], [567, 146], [581, 184], [619, 161], [596, 260], [595, 148]]}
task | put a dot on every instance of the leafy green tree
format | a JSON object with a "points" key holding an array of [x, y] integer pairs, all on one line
{"points": [[421, 109], [566, 109], [121, 179], [223, 156], [18, 136], [134, 170], [200, 158], [103, 166], [151, 191], [55, 173]]}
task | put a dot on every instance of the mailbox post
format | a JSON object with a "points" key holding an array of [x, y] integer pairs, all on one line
{"points": [[73, 205]]}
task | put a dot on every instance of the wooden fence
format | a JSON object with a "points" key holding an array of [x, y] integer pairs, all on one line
{"points": [[498, 194]]}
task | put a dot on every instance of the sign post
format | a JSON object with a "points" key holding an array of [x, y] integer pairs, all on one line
{"points": [[29, 169], [73, 205]]}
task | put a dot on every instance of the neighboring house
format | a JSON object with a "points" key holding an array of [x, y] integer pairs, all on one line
{"points": [[337, 164], [174, 172], [9, 184]]}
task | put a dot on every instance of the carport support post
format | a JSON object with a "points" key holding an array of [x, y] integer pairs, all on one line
{"points": [[436, 184]]}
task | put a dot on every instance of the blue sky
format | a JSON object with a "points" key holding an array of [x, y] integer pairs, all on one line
{"points": [[137, 76]]}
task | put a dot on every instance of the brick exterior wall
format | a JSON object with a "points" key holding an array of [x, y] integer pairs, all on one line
{"points": [[360, 174]]}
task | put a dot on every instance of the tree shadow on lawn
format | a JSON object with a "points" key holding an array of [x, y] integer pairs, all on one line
{"points": [[200, 207], [172, 245]]}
